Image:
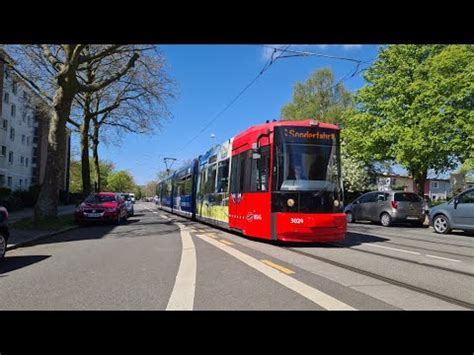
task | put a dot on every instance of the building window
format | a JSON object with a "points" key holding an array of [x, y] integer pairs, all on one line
{"points": [[9, 181], [434, 184], [10, 157], [3, 151], [25, 96], [2, 180], [26, 162], [22, 160], [21, 182], [6, 97], [13, 111], [12, 133], [14, 87], [7, 74], [27, 140], [5, 125], [23, 139]]}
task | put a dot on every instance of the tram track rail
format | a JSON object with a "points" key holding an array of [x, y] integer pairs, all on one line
{"points": [[389, 280], [415, 238]]}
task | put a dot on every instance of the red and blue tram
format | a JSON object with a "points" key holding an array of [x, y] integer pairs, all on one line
{"points": [[278, 181]]}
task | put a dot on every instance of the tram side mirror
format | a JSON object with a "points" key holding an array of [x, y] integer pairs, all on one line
{"points": [[256, 151]]}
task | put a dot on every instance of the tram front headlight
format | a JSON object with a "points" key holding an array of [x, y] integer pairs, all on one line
{"points": [[290, 202], [336, 203]]}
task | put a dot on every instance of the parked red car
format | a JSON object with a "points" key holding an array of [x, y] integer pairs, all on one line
{"points": [[102, 207]]}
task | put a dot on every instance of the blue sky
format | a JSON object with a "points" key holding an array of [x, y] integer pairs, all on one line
{"points": [[209, 77]]}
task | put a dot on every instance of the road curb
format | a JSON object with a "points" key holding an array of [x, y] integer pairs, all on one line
{"points": [[40, 237]]}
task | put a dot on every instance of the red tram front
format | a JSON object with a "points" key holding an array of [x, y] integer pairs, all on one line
{"points": [[285, 182]]}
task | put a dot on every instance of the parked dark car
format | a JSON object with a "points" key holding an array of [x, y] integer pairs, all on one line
{"points": [[102, 207], [4, 232], [457, 213], [387, 207]]}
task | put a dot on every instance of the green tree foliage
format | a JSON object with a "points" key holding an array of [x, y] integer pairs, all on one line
{"points": [[120, 181], [75, 177], [319, 97], [416, 109], [106, 168], [355, 174]]}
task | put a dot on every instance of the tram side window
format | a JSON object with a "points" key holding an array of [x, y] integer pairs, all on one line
{"points": [[202, 181], [235, 174], [211, 179], [188, 185], [167, 189], [223, 176], [243, 162], [260, 167]]}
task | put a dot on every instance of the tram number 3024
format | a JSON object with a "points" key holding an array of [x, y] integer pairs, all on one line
{"points": [[296, 220]]}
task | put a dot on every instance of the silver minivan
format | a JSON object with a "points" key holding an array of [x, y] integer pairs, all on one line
{"points": [[458, 213], [387, 207]]}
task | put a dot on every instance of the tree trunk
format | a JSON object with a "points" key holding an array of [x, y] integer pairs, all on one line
{"points": [[95, 153], [420, 180], [85, 164], [48, 199]]}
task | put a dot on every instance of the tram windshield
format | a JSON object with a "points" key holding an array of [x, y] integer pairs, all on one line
{"points": [[307, 167]]}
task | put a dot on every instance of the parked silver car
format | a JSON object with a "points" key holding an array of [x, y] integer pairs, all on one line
{"points": [[457, 213], [129, 204], [387, 207]]}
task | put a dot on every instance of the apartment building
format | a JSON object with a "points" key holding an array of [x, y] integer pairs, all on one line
{"points": [[24, 126]]}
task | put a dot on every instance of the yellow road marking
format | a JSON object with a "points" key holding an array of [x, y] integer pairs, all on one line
{"points": [[278, 267], [226, 242]]}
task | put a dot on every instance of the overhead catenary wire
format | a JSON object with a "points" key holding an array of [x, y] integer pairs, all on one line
{"points": [[264, 69], [272, 60]]}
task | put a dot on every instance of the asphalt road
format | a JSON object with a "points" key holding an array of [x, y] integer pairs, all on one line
{"points": [[159, 261]]}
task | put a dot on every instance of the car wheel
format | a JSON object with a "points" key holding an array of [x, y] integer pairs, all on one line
{"points": [[3, 245], [350, 217], [385, 220], [441, 224]]}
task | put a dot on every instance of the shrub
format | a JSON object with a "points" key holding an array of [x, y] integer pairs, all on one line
{"points": [[4, 192]]}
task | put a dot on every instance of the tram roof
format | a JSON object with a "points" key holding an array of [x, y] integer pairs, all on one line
{"points": [[305, 123]]}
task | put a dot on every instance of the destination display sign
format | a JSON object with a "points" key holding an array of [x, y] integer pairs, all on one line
{"points": [[306, 135]]}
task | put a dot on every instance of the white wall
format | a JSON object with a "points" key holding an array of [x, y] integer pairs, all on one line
{"points": [[17, 171]]}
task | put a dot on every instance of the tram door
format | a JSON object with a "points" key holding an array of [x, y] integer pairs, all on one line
{"points": [[237, 199]]}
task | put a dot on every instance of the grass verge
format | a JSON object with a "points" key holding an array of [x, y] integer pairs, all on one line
{"points": [[45, 224]]}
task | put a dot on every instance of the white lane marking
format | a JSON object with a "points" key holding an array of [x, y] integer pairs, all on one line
{"points": [[440, 257], [314, 295], [164, 216], [182, 297], [395, 249], [155, 212]]}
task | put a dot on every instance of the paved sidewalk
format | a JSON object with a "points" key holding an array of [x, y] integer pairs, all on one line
{"points": [[19, 238], [28, 212]]}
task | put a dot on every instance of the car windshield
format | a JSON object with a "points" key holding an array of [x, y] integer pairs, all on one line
{"points": [[407, 197], [126, 197], [100, 198]]}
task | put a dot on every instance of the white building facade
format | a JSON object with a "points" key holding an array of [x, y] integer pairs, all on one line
{"points": [[24, 126], [17, 132]]}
